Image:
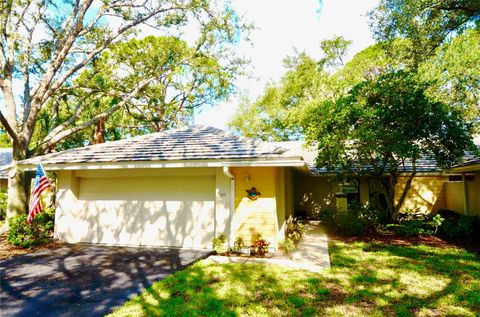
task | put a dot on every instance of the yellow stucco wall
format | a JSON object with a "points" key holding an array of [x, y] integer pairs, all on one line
{"points": [[455, 196], [426, 192], [474, 195], [313, 194], [253, 218]]}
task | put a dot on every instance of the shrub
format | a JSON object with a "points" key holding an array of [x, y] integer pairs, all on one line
{"points": [[259, 247], [328, 218], [368, 214], [356, 221], [219, 244], [350, 224], [38, 232], [238, 245], [458, 226], [287, 245], [293, 232], [409, 214], [414, 223], [3, 204]]}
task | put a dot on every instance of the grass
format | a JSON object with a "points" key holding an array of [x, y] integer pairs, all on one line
{"points": [[366, 279]]}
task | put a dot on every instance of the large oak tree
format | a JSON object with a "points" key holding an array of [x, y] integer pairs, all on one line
{"points": [[44, 44]]}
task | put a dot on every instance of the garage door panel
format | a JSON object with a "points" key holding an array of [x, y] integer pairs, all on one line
{"points": [[163, 211], [146, 189]]}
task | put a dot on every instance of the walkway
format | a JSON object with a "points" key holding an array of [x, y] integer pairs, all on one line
{"points": [[311, 254]]}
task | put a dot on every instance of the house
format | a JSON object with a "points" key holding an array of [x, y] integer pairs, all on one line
{"points": [[183, 187], [179, 188], [463, 188], [5, 160], [432, 188]]}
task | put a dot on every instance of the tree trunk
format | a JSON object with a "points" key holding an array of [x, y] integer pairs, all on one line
{"points": [[98, 136], [17, 184], [388, 187]]}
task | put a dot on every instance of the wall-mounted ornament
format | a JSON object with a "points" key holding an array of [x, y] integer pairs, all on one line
{"points": [[253, 193]]}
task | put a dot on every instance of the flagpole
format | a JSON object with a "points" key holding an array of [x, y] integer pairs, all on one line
{"points": [[45, 173], [56, 199]]}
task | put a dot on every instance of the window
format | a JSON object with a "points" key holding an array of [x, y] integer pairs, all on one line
{"points": [[459, 178], [351, 188]]}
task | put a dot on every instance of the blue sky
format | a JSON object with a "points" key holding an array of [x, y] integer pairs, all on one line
{"points": [[283, 25]]}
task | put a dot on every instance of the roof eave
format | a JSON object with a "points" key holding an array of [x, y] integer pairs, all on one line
{"points": [[465, 168], [284, 161]]}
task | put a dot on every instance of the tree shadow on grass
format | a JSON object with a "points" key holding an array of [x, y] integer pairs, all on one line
{"points": [[400, 281], [418, 278]]}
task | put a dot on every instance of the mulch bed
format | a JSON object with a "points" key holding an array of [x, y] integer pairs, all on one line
{"points": [[8, 251], [469, 245]]}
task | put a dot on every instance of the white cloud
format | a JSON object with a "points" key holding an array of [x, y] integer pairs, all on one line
{"points": [[284, 25]]}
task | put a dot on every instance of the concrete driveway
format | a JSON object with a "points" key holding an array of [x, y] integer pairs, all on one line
{"points": [[83, 280]]}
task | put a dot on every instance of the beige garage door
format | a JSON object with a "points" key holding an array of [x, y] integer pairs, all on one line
{"points": [[152, 211]]}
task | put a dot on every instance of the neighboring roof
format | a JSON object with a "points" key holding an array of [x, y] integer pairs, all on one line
{"points": [[193, 143], [299, 148], [5, 160], [424, 165], [472, 165]]}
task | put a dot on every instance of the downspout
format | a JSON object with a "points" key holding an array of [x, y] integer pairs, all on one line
{"points": [[231, 236]]}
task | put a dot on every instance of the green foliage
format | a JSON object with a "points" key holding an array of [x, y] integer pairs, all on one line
{"points": [[219, 244], [454, 73], [384, 123], [287, 245], [294, 231], [5, 141], [38, 232], [328, 218], [409, 214], [239, 244], [259, 247], [358, 220], [426, 23], [350, 224], [391, 120], [283, 111], [411, 222], [3, 204], [458, 226], [177, 79], [279, 113]]}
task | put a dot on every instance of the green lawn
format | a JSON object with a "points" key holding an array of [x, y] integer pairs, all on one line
{"points": [[366, 279]]}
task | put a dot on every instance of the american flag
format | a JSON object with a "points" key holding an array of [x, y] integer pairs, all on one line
{"points": [[41, 183]]}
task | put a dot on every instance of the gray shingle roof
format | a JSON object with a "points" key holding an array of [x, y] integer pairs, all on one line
{"points": [[424, 165], [194, 143], [197, 143], [468, 162], [5, 160]]}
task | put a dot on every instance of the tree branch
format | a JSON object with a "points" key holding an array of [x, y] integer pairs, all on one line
{"points": [[44, 91], [53, 139], [13, 134]]}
